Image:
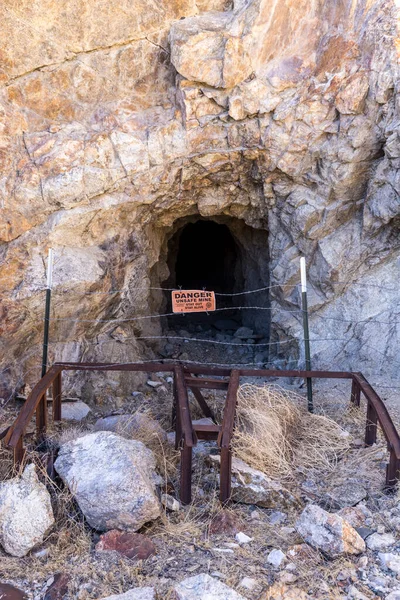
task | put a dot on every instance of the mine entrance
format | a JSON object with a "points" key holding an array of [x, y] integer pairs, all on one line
{"points": [[207, 257], [228, 257]]}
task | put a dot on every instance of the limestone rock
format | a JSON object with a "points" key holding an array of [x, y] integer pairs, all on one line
{"points": [[112, 480], [144, 593], [328, 532], [203, 586], [131, 425], [380, 541], [26, 514], [74, 411], [390, 561], [276, 558], [250, 486]]}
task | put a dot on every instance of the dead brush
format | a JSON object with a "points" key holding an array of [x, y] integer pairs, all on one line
{"points": [[276, 435]]}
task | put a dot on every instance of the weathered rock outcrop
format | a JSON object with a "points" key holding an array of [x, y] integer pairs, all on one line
{"points": [[121, 123], [112, 480], [25, 512]]}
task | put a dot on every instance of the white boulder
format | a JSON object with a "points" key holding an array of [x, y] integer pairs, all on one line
{"points": [[112, 479], [204, 587], [328, 532], [25, 512]]}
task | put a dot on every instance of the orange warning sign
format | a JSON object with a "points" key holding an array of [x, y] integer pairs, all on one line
{"points": [[192, 301]]}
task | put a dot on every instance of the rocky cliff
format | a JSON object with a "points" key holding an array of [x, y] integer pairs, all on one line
{"points": [[121, 121]]}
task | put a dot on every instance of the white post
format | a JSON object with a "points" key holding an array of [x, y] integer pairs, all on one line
{"points": [[304, 302]]}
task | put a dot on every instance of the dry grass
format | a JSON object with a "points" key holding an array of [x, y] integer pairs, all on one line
{"points": [[276, 434]]}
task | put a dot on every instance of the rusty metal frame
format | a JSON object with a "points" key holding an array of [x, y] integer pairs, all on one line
{"points": [[195, 378]]}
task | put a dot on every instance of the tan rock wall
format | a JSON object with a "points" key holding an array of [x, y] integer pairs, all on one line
{"points": [[117, 119]]}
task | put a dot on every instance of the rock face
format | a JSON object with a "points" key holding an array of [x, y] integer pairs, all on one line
{"points": [[328, 532], [112, 480], [250, 486], [204, 587], [25, 512], [121, 124]]}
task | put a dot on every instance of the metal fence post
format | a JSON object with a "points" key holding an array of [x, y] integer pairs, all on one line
{"points": [[47, 311], [306, 331]]}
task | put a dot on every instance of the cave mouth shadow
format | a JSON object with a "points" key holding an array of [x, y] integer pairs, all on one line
{"points": [[226, 256]]}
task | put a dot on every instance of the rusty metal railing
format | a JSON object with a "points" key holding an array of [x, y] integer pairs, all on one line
{"points": [[195, 378]]}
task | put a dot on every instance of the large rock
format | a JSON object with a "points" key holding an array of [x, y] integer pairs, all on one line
{"points": [[250, 486], [26, 514], [112, 479], [204, 587], [328, 532]]}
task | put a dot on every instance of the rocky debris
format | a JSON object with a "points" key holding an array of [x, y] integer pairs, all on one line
{"points": [[250, 486], [395, 595], [112, 478], [244, 333], [154, 384], [26, 514], [144, 593], [203, 586], [276, 558], [378, 541], [131, 545], [170, 503], [242, 538], [9, 592], [58, 588], [328, 532], [390, 561], [303, 553], [280, 591], [277, 517], [225, 521], [131, 425], [348, 494], [74, 411]]}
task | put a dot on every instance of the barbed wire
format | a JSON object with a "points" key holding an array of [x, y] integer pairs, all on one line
{"points": [[170, 314]]}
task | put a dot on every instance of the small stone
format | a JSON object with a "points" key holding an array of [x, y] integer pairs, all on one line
{"points": [[390, 561], [74, 411], [277, 517], [224, 522], [328, 532], [244, 333], [154, 384], [9, 592], [364, 532], [248, 583], [203, 587], [224, 550], [170, 503], [58, 589], [276, 558], [355, 594], [378, 541], [131, 545], [394, 595], [242, 538], [347, 494], [145, 593]]}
